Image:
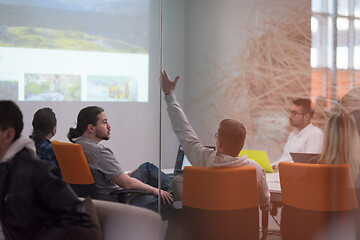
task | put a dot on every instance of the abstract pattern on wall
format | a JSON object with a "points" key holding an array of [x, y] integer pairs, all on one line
{"points": [[273, 69]]}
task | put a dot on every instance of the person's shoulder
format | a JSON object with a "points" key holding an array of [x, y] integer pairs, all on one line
{"points": [[104, 149], [97, 149], [292, 133], [25, 154], [43, 145], [87, 144], [315, 130], [30, 163], [249, 162]]}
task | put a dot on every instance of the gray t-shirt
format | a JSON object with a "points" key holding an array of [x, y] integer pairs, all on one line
{"points": [[104, 167]]}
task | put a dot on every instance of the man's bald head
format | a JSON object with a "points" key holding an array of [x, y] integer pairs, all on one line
{"points": [[231, 135]]}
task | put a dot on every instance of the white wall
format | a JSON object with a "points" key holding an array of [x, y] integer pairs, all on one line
{"points": [[216, 35], [173, 63]]}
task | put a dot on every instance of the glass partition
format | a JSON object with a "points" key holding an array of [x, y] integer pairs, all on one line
{"points": [[249, 61]]}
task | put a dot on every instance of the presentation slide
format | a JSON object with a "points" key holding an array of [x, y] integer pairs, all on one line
{"points": [[74, 50]]}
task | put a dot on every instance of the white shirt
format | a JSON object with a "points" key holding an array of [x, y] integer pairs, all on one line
{"points": [[309, 140]]}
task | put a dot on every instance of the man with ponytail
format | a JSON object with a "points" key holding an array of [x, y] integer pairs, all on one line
{"points": [[93, 127]]}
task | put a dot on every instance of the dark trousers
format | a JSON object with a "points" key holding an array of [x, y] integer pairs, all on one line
{"points": [[148, 173]]}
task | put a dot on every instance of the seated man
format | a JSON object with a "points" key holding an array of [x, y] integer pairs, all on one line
{"points": [[35, 202], [305, 138], [44, 128], [93, 127], [230, 140]]}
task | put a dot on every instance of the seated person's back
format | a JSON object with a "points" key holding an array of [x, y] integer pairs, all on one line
{"points": [[230, 140], [44, 128], [341, 146], [35, 202]]}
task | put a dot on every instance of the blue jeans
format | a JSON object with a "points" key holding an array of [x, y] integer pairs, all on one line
{"points": [[148, 173]]}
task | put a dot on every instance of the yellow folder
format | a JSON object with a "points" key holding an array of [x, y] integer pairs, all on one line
{"points": [[260, 157]]}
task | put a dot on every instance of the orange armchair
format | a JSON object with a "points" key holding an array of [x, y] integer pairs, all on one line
{"points": [[318, 201], [76, 171], [221, 203], [75, 168]]}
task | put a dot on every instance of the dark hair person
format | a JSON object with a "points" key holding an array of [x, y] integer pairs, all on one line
{"points": [[35, 202], [88, 115], [44, 128]]}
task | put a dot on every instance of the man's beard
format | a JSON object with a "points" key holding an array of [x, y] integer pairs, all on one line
{"points": [[103, 136]]}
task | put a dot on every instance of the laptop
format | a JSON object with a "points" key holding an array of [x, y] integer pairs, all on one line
{"points": [[182, 161], [305, 157], [260, 157]]}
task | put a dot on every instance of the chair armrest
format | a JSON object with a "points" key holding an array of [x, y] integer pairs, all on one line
{"points": [[127, 222], [124, 196], [264, 224], [123, 191], [177, 205]]}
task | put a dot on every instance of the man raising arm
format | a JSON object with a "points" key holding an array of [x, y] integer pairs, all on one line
{"points": [[230, 140]]}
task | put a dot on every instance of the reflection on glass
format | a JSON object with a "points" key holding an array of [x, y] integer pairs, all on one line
{"points": [[316, 6], [357, 44], [329, 42], [357, 59], [357, 8], [342, 24], [343, 8], [330, 6], [357, 24], [314, 24], [342, 56], [314, 57]]}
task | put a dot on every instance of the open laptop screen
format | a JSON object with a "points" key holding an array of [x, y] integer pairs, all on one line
{"points": [[182, 161], [305, 157]]}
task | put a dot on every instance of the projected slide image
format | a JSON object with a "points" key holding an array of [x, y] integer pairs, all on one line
{"points": [[53, 46], [111, 88], [52, 87], [46, 38], [9, 90]]}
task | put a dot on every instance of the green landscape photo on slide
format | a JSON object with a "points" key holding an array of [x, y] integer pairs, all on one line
{"points": [[47, 38], [9, 89], [111, 88], [52, 87]]}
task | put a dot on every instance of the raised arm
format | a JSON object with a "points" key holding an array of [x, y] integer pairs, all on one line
{"points": [[167, 85], [194, 150]]}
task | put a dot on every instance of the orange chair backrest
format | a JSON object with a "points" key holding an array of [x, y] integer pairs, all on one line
{"points": [[317, 187], [220, 188], [73, 164]]}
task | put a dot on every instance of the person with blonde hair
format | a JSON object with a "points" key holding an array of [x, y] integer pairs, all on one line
{"points": [[342, 144]]}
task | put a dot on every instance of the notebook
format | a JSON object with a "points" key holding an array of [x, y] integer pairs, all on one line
{"points": [[260, 157], [305, 157], [182, 161]]}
